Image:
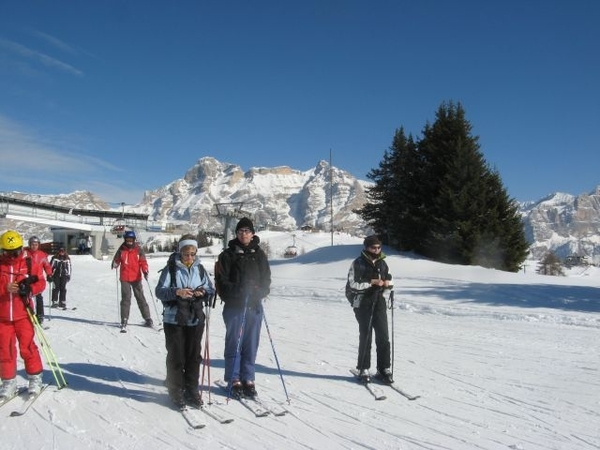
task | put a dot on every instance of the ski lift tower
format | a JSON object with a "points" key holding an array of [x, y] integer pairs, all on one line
{"points": [[229, 212]]}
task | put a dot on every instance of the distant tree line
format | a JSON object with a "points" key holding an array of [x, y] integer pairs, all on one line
{"points": [[203, 238], [437, 196]]}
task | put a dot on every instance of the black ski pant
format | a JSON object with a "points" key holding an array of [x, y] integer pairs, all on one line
{"points": [[184, 356], [59, 291], [380, 327], [39, 305]]}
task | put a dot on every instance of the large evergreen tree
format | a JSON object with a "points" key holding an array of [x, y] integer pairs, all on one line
{"points": [[389, 199], [440, 198]]}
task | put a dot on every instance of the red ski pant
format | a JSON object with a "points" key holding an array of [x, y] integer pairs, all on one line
{"points": [[23, 331]]}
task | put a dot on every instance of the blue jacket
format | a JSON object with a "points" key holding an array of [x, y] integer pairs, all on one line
{"points": [[194, 277]]}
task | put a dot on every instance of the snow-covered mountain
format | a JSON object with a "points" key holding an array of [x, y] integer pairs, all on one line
{"points": [[282, 198], [565, 224], [278, 198]]}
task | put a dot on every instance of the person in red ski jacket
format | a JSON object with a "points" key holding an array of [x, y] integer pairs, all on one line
{"points": [[131, 260], [19, 282], [39, 257]]}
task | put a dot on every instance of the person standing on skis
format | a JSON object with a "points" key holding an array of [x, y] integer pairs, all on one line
{"points": [[243, 281], [184, 288], [369, 277], [21, 278], [39, 257], [131, 260], [61, 275]]}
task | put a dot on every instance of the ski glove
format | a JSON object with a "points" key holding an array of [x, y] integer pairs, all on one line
{"points": [[25, 285]]}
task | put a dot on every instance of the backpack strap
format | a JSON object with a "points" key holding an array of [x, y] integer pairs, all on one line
{"points": [[172, 269]]}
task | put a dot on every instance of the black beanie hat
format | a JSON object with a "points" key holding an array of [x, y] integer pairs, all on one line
{"points": [[371, 240], [244, 223]]}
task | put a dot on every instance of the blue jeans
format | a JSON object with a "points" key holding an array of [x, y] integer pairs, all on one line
{"points": [[240, 366]]}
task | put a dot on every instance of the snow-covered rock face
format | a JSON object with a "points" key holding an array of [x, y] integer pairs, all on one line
{"points": [[565, 224], [279, 197], [282, 198]]}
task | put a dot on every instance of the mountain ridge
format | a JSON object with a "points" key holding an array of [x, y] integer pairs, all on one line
{"points": [[286, 199]]}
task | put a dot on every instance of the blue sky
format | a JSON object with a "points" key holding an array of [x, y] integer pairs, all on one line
{"points": [[118, 97]]}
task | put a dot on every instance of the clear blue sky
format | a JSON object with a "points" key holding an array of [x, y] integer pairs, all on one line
{"points": [[118, 97]]}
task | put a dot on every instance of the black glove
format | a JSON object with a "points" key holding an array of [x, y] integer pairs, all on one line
{"points": [[183, 312], [68, 277], [146, 275], [49, 279], [25, 285]]}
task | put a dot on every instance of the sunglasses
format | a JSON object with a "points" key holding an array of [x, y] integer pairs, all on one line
{"points": [[244, 231], [12, 253], [187, 255], [375, 247]]}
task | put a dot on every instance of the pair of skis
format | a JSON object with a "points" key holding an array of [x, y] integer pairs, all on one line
{"points": [[378, 392], [194, 417], [256, 405], [27, 400]]}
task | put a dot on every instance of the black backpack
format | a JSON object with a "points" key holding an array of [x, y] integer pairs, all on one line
{"points": [[351, 294]]}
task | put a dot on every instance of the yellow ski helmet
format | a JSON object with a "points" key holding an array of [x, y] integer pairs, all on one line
{"points": [[11, 240]]}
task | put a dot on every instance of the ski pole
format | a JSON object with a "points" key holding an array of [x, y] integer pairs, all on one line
{"points": [[275, 355], [206, 354], [154, 303], [118, 302], [49, 300], [238, 355], [46, 348], [392, 308]]}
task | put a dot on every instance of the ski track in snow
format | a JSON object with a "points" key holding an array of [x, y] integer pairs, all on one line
{"points": [[490, 377]]}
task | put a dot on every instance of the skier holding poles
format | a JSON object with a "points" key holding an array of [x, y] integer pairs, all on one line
{"points": [[131, 262], [243, 280], [21, 278], [368, 278], [184, 288]]}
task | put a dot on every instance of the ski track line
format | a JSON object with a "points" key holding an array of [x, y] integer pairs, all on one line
{"points": [[312, 428], [362, 422], [263, 424], [591, 444], [137, 338], [387, 432], [537, 416], [354, 442], [521, 420]]}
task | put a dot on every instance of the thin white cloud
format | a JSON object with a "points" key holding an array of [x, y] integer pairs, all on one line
{"points": [[41, 58], [55, 42], [62, 45], [24, 149], [45, 164]]}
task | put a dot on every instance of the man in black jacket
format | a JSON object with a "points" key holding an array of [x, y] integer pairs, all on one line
{"points": [[369, 277]]}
